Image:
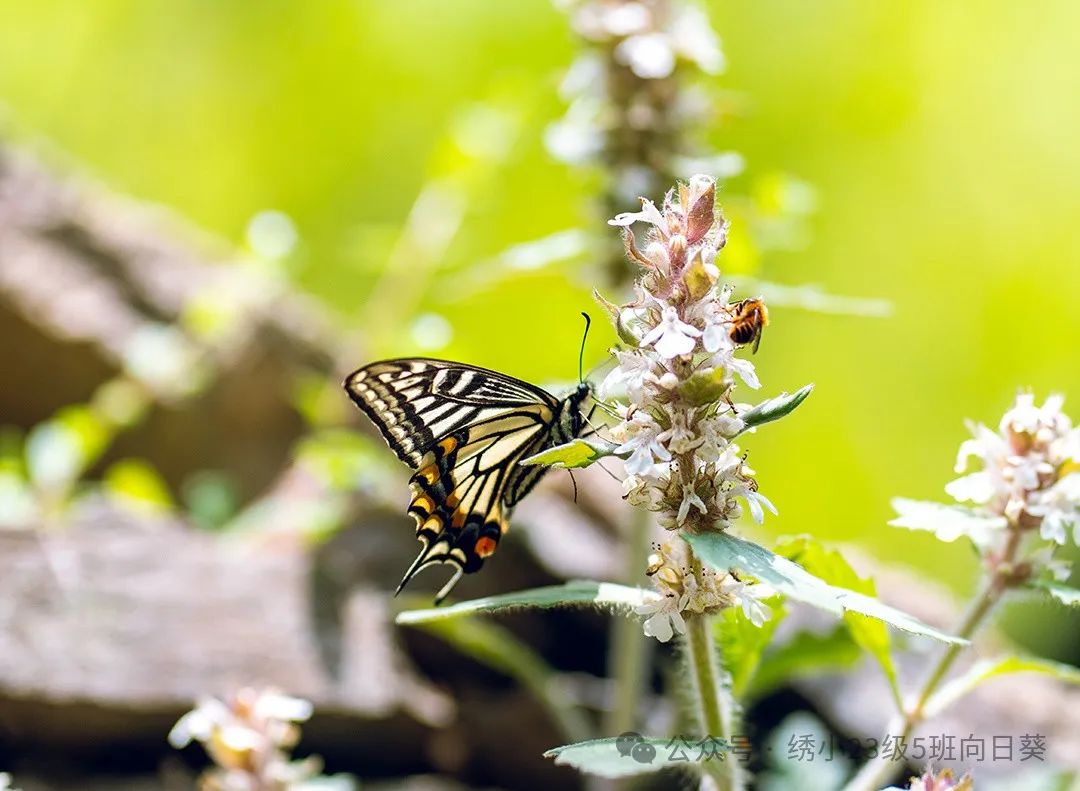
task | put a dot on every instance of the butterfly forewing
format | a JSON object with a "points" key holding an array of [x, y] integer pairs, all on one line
{"points": [[464, 430]]}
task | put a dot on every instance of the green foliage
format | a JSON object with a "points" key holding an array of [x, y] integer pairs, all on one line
{"points": [[602, 757], [742, 643], [576, 453], [775, 408], [805, 654], [988, 669], [136, 484], [869, 634], [602, 595], [724, 552], [1060, 591]]}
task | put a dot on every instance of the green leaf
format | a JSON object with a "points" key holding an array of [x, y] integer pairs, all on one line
{"points": [[774, 408], [604, 595], [1066, 594], [947, 522], [724, 552], [805, 654], [576, 453], [499, 649], [135, 483], [991, 668], [604, 758], [742, 644], [869, 634]]}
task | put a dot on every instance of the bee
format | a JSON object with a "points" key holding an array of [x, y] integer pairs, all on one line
{"points": [[748, 318]]}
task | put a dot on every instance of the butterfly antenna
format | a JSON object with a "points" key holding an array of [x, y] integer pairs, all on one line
{"points": [[581, 353]]}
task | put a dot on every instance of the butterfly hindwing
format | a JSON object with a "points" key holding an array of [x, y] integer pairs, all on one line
{"points": [[463, 430]]}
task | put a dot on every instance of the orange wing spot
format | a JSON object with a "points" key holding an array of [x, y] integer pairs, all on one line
{"points": [[433, 523], [424, 502], [485, 546], [429, 473], [459, 519], [448, 445]]}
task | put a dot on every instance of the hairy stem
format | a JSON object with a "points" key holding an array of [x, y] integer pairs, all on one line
{"points": [[878, 771]]}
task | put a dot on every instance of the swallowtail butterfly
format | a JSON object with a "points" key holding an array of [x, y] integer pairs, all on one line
{"points": [[463, 430]]}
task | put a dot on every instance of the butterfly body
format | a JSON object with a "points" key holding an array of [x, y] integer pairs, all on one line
{"points": [[463, 430]]}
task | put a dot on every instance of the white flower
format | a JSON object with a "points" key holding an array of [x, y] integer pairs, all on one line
{"points": [[629, 376], [749, 598], [1059, 507], [679, 438], [672, 337], [716, 336], [745, 370], [665, 616], [642, 490], [977, 487], [649, 213], [754, 499], [643, 444], [690, 500]]}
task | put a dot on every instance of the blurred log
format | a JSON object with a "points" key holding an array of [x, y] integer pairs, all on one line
{"points": [[86, 277], [111, 628]]}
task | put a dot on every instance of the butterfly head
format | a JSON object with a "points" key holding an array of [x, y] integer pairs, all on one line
{"points": [[571, 418]]}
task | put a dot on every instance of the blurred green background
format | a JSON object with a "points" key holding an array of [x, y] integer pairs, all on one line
{"points": [[939, 137]]}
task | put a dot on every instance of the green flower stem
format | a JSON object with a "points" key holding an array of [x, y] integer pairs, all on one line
{"points": [[715, 706], [630, 649], [878, 771]]}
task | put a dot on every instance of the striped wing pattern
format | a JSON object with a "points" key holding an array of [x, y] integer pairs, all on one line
{"points": [[463, 430]]}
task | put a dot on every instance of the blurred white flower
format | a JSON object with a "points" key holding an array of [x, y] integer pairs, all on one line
{"points": [[248, 737], [694, 39], [649, 55], [1029, 468]]}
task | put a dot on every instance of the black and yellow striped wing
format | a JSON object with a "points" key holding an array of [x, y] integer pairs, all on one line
{"points": [[463, 430]]}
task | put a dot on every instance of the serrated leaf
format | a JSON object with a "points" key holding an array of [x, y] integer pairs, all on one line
{"points": [[869, 634], [499, 649], [725, 552], [1066, 594], [991, 668], [603, 595], [742, 644], [947, 522], [805, 654], [775, 408], [576, 453], [603, 757]]}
